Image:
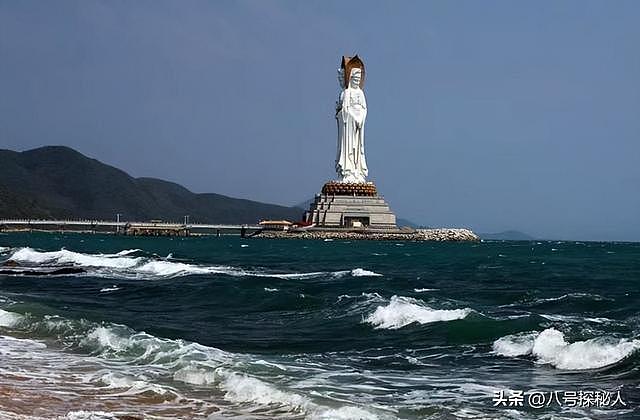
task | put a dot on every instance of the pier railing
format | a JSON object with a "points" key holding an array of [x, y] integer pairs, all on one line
{"points": [[124, 227]]}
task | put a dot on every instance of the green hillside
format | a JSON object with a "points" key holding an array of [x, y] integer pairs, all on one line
{"points": [[59, 182]]}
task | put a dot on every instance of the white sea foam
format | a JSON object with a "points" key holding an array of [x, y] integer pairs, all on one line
{"points": [[244, 246], [570, 296], [515, 345], [569, 318], [90, 415], [359, 272], [130, 384], [145, 356], [109, 289], [550, 347], [424, 290], [343, 413], [269, 289], [9, 319], [120, 265], [128, 251], [356, 272], [107, 340], [29, 255], [242, 388], [290, 276], [172, 269], [4, 249], [196, 376], [402, 311]]}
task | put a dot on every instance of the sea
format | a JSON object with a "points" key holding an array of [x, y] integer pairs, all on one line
{"points": [[248, 328]]}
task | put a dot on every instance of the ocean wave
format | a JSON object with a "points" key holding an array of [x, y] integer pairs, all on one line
{"points": [[147, 359], [360, 272], [109, 289], [126, 265], [126, 252], [568, 297], [131, 385], [571, 296], [368, 295], [31, 256], [356, 272], [343, 413], [9, 319], [424, 290], [580, 319], [515, 345], [271, 289], [242, 389], [173, 269], [90, 415], [550, 347], [4, 249], [402, 311]]}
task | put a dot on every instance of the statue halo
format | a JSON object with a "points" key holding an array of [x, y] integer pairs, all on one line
{"points": [[349, 63]]}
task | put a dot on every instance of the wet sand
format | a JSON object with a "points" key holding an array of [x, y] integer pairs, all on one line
{"points": [[31, 387]]}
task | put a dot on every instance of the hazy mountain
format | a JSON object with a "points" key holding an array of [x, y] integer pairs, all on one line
{"points": [[507, 235], [56, 181], [404, 222]]}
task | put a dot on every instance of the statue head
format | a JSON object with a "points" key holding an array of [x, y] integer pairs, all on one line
{"points": [[355, 78], [349, 64], [341, 78]]}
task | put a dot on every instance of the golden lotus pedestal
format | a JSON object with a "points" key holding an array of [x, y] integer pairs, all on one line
{"points": [[350, 205], [355, 189]]}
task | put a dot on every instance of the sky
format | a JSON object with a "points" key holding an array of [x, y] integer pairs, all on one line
{"points": [[491, 115]]}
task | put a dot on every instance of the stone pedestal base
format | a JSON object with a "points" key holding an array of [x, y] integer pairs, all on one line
{"points": [[356, 211]]}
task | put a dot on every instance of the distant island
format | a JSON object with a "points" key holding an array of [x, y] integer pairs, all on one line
{"points": [[57, 182]]}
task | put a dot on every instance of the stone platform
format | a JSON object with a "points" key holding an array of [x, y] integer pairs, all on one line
{"points": [[346, 211]]}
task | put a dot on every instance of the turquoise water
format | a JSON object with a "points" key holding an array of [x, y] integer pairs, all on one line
{"points": [[255, 328]]}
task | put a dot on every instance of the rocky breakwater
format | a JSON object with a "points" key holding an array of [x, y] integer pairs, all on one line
{"points": [[447, 235], [440, 235]]}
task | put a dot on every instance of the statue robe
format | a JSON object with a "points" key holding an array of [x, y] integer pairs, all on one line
{"points": [[351, 114]]}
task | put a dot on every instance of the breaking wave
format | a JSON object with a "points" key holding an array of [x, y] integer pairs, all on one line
{"points": [[550, 347], [119, 346], [125, 265], [359, 272], [62, 257], [402, 311], [9, 319]]}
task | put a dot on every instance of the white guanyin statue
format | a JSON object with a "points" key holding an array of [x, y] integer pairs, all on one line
{"points": [[351, 113]]}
